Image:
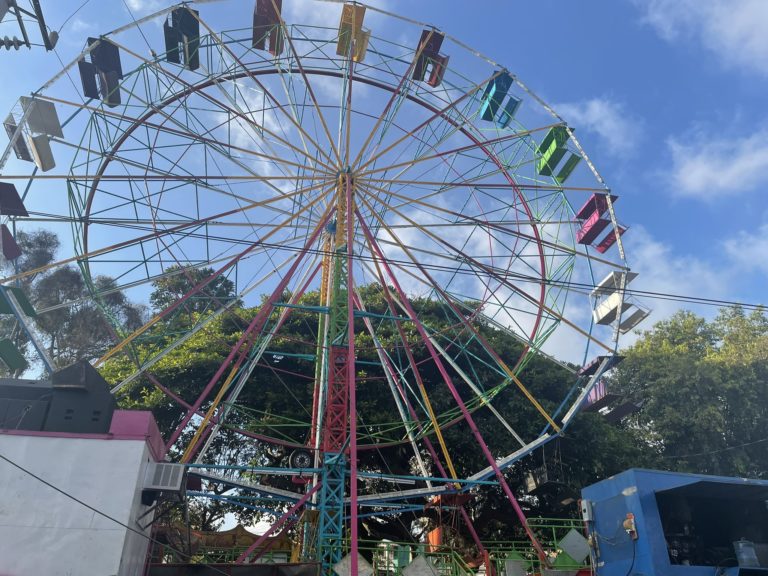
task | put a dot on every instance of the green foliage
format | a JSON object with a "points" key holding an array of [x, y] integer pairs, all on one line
{"points": [[70, 323], [177, 282], [702, 388], [278, 399]]}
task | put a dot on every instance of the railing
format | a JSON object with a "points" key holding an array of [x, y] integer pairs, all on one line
{"points": [[549, 531], [390, 558], [167, 554]]}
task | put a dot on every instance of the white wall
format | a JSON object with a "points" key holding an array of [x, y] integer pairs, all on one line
{"points": [[44, 532]]}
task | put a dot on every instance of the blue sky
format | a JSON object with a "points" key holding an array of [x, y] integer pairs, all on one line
{"points": [[667, 96]]}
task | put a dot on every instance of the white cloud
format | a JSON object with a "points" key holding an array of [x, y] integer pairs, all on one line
{"points": [[707, 167], [734, 30], [142, 5], [606, 118], [749, 251], [314, 13], [79, 25], [663, 271]]}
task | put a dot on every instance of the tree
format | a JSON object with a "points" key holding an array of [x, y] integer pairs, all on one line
{"points": [[70, 322], [177, 281], [702, 389], [38, 249], [74, 324], [279, 397]]}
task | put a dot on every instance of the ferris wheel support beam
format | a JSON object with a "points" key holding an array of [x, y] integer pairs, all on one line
{"points": [[216, 420], [202, 284], [274, 101], [199, 180], [512, 183], [216, 145], [308, 86], [398, 394], [321, 351], [277, 524], [389, 370], [469, 382], [345, 111], [415, 370], [510, 373], [457, 398], [406, 200], [443, 153], [245, 340], [197, 89], [490, 271], [440, 113], [474, 183], [168, 248], [268, 144], [133, 241], [144, 121], [339, 412], [195, 289], [184, 404], [351, 375], [395, 94]]}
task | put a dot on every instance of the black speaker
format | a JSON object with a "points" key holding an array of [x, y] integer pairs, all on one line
{"points": [[80, 402]]}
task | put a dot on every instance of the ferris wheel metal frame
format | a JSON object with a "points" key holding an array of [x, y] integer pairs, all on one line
{"points": [[485, 213]]}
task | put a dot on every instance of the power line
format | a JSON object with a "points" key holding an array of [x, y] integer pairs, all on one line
{"points": [[717, 451], [504, 274], [70, 18]]}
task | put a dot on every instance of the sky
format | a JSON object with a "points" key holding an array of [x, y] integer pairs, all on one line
{"points": [[667, 96]]}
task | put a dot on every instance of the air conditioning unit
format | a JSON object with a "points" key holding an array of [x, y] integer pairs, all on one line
{"points": [[164, 481]]}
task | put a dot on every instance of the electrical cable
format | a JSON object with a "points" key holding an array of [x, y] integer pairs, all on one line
{"points": [[130, 13], [97, 511], [718, 451], [524, 278], [634, 554], [70, 18]]}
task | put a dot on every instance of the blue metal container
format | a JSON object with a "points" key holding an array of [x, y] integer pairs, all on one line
{"points": [[685, 524]]}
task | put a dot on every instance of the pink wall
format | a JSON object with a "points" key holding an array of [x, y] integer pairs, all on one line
{"points": [[126, 425]]}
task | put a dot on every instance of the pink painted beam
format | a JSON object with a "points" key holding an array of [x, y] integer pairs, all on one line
{"points": [[427, 442], [245, 342], [351, 378], [454, 392], [219, 414], [609, 240]]}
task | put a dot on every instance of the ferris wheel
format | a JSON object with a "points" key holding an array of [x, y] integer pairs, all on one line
{"points": [[413, 226]]}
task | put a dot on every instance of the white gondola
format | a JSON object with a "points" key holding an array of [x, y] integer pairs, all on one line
{"points": [[610, 296], [30, 134]]}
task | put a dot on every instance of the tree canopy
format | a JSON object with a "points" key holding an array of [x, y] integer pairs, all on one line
{"points": [[282, 385], [702, 389], [700, 386], [70, 323]]}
